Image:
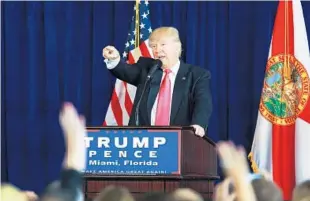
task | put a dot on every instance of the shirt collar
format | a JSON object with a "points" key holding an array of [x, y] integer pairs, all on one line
{"points": [[175, 68]]}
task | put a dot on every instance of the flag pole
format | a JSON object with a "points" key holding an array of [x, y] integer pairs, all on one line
{"points": [[137, 38]]}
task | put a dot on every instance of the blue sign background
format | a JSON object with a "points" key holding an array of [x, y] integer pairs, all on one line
{"points": [[167, 161]]}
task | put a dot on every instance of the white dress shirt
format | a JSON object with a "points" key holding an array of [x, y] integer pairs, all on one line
{"points": [[172, 76]]}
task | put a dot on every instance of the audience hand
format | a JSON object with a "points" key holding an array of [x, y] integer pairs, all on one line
{"points": [[31, 196], [233, 159], [74, 131], [234, 164], [222, 191]]}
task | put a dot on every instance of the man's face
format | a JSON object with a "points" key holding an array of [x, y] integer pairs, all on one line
{"points": [[166, 50]]}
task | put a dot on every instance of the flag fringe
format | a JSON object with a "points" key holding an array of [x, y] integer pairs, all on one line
{"points": [[254, 165]]}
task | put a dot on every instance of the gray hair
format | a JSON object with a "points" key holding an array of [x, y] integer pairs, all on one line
{"points": [[167, 31]]}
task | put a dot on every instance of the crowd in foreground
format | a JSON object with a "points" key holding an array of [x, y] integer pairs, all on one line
{"points": [[238, 184]]}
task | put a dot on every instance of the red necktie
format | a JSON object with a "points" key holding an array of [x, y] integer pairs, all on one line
{"points": [[164, 101]]}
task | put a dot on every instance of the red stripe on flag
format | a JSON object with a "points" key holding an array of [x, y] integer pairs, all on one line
{"points": [[305, 114], [283, 137], [128, 102], [144, 50], [131, 60], [283, 158], [117, 107], [278, 40], [117, 110]]}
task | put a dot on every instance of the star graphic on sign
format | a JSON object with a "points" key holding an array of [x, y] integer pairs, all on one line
{"points": [[127, 44], [150, 30], [124, 54], [141, 35], [146, 3], [134, 32]]}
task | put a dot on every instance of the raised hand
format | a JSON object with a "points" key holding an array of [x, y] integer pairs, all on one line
{"points": [[222, 191], [233, 159], [110, 53], [73, 126]]}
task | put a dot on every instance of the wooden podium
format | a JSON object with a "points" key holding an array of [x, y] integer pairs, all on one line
{"points": [[198, 168]]}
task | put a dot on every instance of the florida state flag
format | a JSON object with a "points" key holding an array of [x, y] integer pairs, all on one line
{"points": [[281, 142]]}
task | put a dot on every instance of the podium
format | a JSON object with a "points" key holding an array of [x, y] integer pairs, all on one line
{"points": [[149, 159]]}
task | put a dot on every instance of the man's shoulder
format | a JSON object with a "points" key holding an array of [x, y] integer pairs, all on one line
{"points": [[198, 71], [145, 61]]}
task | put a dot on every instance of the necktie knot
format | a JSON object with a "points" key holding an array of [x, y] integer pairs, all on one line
{"points": [[167, 71]]}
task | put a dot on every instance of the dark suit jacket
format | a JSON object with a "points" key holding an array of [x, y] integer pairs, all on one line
{"points": [[191, 101]]}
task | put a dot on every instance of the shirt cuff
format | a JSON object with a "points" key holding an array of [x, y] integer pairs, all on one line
{"points": [[112, 63]]}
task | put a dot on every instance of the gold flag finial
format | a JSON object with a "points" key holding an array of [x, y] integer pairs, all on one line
{"points": [[137, 24]]}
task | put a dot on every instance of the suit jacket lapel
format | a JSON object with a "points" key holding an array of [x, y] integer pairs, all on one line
{"points": [[154, 89], [178, 91]]}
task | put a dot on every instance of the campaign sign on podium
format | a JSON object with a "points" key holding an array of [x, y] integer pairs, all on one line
{"points": [[133, 152]]}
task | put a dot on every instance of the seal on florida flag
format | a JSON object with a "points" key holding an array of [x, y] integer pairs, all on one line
{"points": [[286, 90]]}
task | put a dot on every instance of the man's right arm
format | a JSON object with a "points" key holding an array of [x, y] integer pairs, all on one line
{"points": [[127, 72]]}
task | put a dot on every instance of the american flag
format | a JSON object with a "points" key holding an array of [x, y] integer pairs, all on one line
{"points": [[136, 45]]}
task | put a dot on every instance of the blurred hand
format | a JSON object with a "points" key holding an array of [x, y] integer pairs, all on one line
{"points": [[199, 130], [222, 191], [74, 131], [31, 196], [234, 163], [233, 159], [72, 124], [110, 53]]}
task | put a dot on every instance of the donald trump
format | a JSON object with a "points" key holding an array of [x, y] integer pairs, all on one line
{"points": [[175, 93]]}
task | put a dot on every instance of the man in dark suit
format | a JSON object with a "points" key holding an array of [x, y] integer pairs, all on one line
{"points": [[176, 93]]}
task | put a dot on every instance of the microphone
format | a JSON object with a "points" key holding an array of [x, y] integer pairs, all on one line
{"points": [[156, 64]]}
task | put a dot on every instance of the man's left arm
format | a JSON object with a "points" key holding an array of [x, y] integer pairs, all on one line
{"points": [[202, 103]]}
